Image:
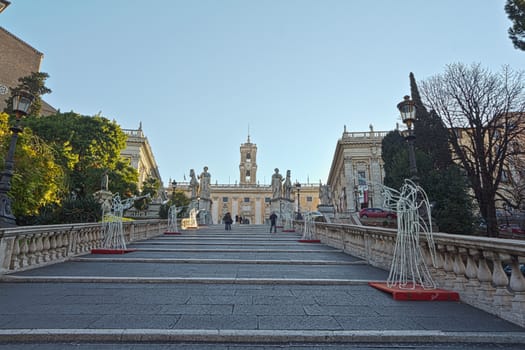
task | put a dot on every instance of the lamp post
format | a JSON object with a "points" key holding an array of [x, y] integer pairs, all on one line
{"points": [[21, 102], [173, 187], [298, 188], [407, 108]]}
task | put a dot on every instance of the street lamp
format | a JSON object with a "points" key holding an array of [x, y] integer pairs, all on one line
{"points": [[21, 102], [298, 188], [407, 108], [173, 187]]}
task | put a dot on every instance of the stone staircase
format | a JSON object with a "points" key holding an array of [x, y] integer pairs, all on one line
{"points": [[238, 289]]}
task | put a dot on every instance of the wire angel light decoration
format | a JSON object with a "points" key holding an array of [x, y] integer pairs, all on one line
{"points": [[112, 229], [309, 229], [172, 219], [409, 268]]}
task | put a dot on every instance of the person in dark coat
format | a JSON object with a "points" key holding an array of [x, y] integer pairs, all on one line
{"points": [[273, 222], [227, 221]]}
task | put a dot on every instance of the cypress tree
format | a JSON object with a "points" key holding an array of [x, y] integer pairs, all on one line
{"points": [[439, 176]]}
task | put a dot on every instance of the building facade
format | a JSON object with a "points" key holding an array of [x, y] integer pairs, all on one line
{"points": [[18, 59], [247, 199], [140, 155], [357, 171]]}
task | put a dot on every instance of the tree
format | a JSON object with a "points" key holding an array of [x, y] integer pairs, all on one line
{"points": [[477, 107], [437, 173], [150, 187], [87, 147], [516, 12], [180, 200], [512, 192], [38, 180], [35, 85]]}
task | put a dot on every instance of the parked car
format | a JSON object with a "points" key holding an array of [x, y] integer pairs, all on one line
{"points": [[377, 213], [512, 228], [508, 269]]}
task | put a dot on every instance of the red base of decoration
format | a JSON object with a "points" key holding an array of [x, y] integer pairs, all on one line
{"points": [[416, 294], [171, 233], [288, 231], [111, 251], [309, 241]]}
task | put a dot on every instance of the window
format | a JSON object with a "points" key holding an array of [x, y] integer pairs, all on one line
{"points": [[246, 199], [267, 199], [309, 199], [247, 173], [361, 177], [225, 199], [248, 157]]}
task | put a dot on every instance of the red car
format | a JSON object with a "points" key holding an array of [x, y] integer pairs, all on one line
{"points": [[377, 213], [511, 229]]}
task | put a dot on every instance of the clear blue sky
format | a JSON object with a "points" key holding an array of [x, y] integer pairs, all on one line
{"points": [[200, 74]]}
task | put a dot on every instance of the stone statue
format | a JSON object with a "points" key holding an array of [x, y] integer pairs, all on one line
{"points": [[287, 186], [205, 178], [104, 182], [325, 195], [277, 184], [194, 184]]}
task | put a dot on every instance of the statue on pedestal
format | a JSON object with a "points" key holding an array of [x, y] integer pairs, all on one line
{"points": [[287, 186], [325, 195], [194, 184], [205, 178], [277, 184]]}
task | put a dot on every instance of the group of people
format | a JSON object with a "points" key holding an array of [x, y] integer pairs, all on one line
{"points": [[228, 220]]}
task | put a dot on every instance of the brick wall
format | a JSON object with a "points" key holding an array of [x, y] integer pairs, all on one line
{"points": [[17, 59]]}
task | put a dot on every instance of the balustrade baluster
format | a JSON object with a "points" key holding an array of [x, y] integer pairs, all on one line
{"points": [[471, 271], [24, 248], [15, 257], [517, 285], [459, 267], [60, 245], [46, 245], [486, 290], [53, 246], [31, 251], [502, 296], [448, 267], [39, 249]]}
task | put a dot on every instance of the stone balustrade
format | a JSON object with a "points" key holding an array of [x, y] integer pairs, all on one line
{"points": [[473, 266], [27, 247]]}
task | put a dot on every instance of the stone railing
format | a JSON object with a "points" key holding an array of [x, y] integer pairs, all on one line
{"points": [[27, 247], [473, 266]]}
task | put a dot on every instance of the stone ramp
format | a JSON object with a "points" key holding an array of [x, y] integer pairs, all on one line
{"points": [[244, 286]]}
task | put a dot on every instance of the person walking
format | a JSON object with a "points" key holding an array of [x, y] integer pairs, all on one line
{"points": [[227, 221], [273, 222]]}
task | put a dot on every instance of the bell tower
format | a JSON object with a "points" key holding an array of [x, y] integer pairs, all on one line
{"points": [[248, 165]]}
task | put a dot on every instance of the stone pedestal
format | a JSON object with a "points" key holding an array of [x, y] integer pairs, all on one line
{"points": [[105, 198], [204, 215], [281, 207]]}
